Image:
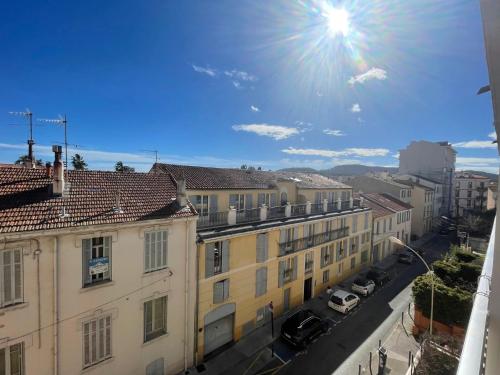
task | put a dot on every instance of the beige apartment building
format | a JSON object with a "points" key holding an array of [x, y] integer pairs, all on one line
{"points": [[391, 218], [471, 194], [267, 237], [98, 273]]}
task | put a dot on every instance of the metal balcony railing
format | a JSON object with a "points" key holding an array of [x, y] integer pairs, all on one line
{"points": [[298, 209], [213, 219], [293, 246], [316, 208], [245, 216], [474, 354], [274, 212]]}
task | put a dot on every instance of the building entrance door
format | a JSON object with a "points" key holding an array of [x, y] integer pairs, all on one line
{"points": [[308, 289]]}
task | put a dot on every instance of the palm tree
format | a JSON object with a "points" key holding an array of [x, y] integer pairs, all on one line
{"points": [[78, 163], [119, 167], [23, 159]]}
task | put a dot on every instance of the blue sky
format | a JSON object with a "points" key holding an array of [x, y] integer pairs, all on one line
{"points": [[224, 83]]}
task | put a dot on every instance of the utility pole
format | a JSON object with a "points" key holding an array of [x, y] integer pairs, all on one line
{"points": [[29, 115]]}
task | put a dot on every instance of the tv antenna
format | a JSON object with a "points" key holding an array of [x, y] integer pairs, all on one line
{"points": [[61, 121], [29, 115], [153, 152]]}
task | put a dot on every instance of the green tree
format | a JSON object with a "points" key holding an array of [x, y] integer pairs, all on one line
{"points": [[23, 159], [119, 167], [78, 163]]}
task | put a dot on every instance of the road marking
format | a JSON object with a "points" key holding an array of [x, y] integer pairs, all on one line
{"points": [[333, 320], [277, 356]]}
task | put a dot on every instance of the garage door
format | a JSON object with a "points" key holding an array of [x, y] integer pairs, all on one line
{"points": [[218, 333]]}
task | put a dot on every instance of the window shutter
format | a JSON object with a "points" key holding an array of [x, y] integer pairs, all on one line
{"points": [[148, 318], [165, 248], [317, 197], [17, 275], [306, 230], [323, 257], [212, 205], [294, 268], [87, 250], [107, 253], [273, 199], [261, 247], [248, 201], [282, 235], [260, 199], [225, 284], [218, 291], [147, 251], [266, 245], [209, 259], [296, 233], [7, 289], [281, 270], [225, 256], [261, 281], [233, 200], [264, 280]]}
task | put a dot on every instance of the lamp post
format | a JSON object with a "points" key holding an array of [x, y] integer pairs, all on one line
{"points": [[399, 242]]}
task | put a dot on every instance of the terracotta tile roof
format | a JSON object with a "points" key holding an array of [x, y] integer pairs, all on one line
{"points": [[207, 178], [387, 201], [26, 203], [412, 183], [377, 209]]}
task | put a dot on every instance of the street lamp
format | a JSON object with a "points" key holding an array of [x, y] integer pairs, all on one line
{"points": [[399, 242]]}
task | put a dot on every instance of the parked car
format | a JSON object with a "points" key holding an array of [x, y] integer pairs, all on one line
{"points": [[406, 258], [343, 301], [302, 326], [379, 276], [363, 286]]}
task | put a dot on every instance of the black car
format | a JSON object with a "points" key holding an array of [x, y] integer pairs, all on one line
{"points": [[378, 276], [301, 327]]}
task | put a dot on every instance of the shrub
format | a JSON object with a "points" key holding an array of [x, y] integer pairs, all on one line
{"points": [[464, 256]]}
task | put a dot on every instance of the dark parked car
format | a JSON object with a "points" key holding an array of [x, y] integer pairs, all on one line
{"points": [[301, 327], [378, 276], [406, 258]]}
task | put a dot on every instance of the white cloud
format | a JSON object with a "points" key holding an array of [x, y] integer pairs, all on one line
{"points": [[475, 144], [208, 71], [254, 108], [334, 132], [396, 155], [363, 152], [373, 73], [493, 135], [276, 132], [355, 108], [237, 84], [477, 161], [240, 75]]}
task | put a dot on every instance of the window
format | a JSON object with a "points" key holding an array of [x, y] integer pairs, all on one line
{"points": [[288, 269], [390, 223], [155, 318], [326, 255], [221, 291], [341, 245], [216, 258], [309, 264], [155, 250], [354, 224], [385, 225], [341, 268], [96, 260], [403, 193], [12, 360], [11, 277], [326, 276], [468, 202], [237, 201], [261, 281], [264, 198], [469, 194], [262, 247], [353, 263], [366, 220], [378, 227], [470, 185], [364, 256], [96, 340], [201, 203]]}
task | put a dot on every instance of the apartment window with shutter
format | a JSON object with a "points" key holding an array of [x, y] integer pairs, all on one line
{"points": [[309, 264], [96, 340], [326, 276], [11, 277], [366, 220], [155, 250], [326, 255], [353, 263], [262, 247], [378, 227], [237, 201], [12, 360], [354, 224], [221, 291], [96, 260], [341, 249], [264, 198], [340, 268], [155, 318], [364, 256], [216, 258], [385, 225], [261, 281], [390, 223], [201, 203]]}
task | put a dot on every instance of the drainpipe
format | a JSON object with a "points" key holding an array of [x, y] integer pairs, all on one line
{"points": [[196, 312], [186, 297], [36, 255], [56, 304]]}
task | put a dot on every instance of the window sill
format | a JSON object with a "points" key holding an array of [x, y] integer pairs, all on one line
{"points": [[96, 365], [98, 285], [156, 339], [160, 271], [16, 306]]}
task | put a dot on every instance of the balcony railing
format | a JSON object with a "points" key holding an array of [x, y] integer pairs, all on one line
{"points": [[213, 219], [293, 246], [246, 216], [474, 354], [299, 209], [316, 208], [278, 211]]}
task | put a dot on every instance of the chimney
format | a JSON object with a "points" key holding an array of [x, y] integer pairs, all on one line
{"points": [[58, 175], [48, 169], [30, 163], [181, 192]]}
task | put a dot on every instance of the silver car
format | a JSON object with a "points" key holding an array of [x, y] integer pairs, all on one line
{"points": [[363, 286]]}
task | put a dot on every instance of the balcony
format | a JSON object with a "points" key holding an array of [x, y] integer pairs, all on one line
{"points": [[235, 217], [289, 247], [482, 338]]}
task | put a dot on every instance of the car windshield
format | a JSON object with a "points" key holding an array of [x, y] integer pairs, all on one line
{"points": [[295, 320], [336, 300], [361, 282]]}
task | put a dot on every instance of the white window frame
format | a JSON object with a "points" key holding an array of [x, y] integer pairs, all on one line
{"points": [[158, 324], [87, 282], [107, 336], [200, 207], [7, 359], [155, 252], [14, 299]]}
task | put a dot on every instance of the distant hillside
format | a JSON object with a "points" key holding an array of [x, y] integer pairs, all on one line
{"points": [[491, 176], [344, 170]]}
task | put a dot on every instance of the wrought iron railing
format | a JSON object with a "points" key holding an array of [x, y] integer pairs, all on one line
{"points": [[248, 215], [316, 208], [298, 209], [292, 246], [212, 219], [274, 212]]}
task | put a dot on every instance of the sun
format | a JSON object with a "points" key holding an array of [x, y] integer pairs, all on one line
{"points": [[338, 21]]}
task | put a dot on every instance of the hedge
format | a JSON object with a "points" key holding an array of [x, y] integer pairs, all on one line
{"points": [[452, 306]]}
